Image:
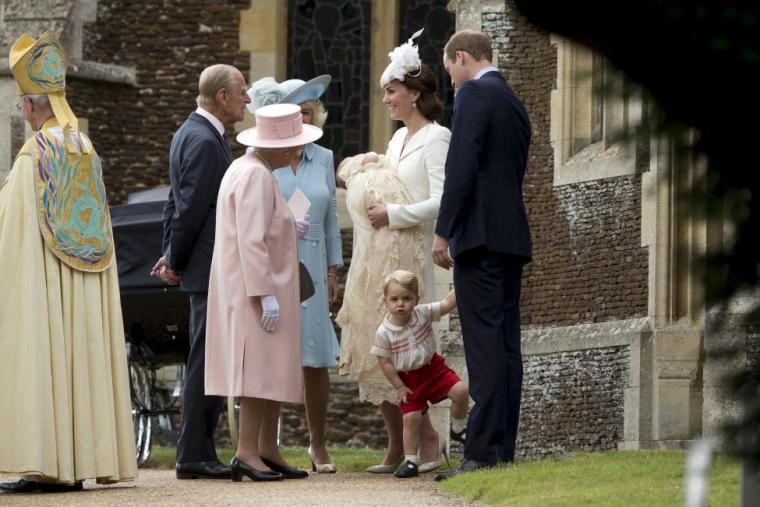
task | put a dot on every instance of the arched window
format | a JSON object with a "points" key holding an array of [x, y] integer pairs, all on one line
{"points": [[333, 37]]}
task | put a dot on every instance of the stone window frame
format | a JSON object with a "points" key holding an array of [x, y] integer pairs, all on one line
{"points": [[588, 128]]}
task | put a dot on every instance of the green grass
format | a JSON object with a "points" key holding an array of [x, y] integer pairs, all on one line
{"points": [[646, 478], [345, 459], [630, 478]]}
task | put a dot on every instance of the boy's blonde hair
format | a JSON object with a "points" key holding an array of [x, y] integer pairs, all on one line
{"points": [[406, 279]]}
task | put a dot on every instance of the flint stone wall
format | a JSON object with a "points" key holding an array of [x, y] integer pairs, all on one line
{"points": [[573, 401]]}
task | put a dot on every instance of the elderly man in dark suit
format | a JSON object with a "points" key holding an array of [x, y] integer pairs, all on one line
{"points": [[482, 225], [198, 158]]}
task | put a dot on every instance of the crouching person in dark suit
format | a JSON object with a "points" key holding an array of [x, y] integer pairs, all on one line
{"points": [[482, 231], [199, 156]]}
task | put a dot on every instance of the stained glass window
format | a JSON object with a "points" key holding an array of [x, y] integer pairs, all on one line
{"points": [[439, 26], [333, 37]]}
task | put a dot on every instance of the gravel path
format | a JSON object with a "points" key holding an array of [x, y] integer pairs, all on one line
{"points": [[159, 487]]}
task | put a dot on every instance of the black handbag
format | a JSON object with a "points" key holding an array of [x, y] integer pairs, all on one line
{"points": [[305, 283]]}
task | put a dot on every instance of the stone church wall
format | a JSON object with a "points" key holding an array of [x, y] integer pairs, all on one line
{"points": [[168, 43], [588, 263], [588, 266]]}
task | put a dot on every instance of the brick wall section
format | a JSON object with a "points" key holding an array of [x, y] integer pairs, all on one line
{"points": [[573, 401], [588, 265], [169, 43]]}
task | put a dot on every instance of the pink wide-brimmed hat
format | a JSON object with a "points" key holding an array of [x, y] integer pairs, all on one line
{"points": [[279, 126]]}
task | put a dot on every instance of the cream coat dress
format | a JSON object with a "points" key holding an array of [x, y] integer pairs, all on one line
{"points": [[420, 165], [412, 198], [64, 382], [255, 254]]}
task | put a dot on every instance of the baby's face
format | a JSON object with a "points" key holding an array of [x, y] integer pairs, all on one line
{"points": [[370, 158], [400, 301]]}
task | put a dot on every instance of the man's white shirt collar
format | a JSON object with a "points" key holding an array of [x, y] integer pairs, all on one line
{"points": [[213, 119], [485, 71]]}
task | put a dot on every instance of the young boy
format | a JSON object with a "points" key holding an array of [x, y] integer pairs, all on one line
{"points": [[406, 349]]}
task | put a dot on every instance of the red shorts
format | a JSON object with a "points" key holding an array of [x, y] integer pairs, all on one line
{"points": [[431, 382]]}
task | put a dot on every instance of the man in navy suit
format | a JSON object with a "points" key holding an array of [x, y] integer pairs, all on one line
{"points": [[199, 156], [482, 231]]}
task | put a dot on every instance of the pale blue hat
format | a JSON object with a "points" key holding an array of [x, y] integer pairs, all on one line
{"points": [[264, 92], [267, 91], [298, 91]]}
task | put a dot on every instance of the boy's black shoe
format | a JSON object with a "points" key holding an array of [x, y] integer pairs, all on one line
{"points": [[407, 469], [459, 436]]}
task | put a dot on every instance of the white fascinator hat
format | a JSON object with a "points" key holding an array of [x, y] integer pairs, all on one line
{"points": [[405, 60], [279, 126]]}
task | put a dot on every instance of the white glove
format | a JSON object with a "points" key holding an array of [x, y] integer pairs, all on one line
{"points": [[302, 227], [270, 312]]}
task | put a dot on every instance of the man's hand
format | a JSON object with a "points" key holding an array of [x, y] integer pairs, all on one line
{"points": [[378, 215], [441, 255], [162, 271]]}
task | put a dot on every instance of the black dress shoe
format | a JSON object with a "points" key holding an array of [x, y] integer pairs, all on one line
{"points": [[240, 468], [27, 486], [468, 465], [287, 472], [407, 469], [203, 470]]}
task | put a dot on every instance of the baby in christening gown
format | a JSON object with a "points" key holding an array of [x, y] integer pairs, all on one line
{"points": [[376, 253]]}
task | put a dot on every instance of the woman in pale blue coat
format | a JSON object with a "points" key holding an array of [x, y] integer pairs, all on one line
{"points": [[313, 172]]}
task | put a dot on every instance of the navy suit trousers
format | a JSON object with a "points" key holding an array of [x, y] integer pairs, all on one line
{"points": [[488, 298], [200, 413]]}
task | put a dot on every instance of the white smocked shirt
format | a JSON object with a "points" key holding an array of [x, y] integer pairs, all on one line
{"points": [[411, 346]]}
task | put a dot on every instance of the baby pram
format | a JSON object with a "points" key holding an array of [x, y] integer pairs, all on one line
{"points": [[155, 319]]}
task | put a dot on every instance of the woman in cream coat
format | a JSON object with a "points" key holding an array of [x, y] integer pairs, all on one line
{"points": [[418, 151]]}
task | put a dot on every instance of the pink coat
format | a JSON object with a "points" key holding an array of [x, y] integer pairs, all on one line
{"points": [[255, 254]]}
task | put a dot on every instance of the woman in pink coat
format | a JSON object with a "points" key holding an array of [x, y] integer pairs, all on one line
{"points": [[253, 344]]}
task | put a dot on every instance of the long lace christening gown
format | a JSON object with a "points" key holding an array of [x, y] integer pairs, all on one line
{"points": [[376, 253]]}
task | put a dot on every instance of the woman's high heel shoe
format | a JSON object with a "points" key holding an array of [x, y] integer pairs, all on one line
{"points": [[287, 471], [320, 468], [239, 468], [386, 469], [443, 454]]}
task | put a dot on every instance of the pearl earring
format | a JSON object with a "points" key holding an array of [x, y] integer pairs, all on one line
{"points": [[414, 103]]}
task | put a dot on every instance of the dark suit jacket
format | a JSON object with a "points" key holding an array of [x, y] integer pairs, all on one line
{"points": [[198, 159], [482, 202]]}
